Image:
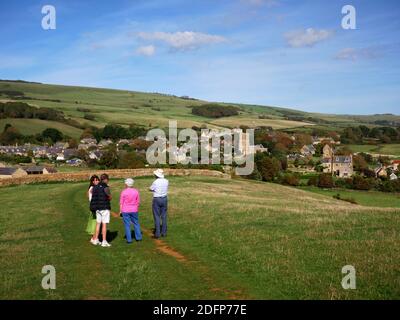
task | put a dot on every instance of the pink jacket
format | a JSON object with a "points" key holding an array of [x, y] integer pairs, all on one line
{"points": [[129, 200]]}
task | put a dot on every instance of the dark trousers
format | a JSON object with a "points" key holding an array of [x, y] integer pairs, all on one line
{"points": [[128, 218], [160, 206]]}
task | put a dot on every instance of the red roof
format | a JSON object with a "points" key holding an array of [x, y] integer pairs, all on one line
{"points": [[396, 162]]}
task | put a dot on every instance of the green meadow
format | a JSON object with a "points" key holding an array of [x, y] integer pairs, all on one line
{"points": [[228, 239], [392, 149]]}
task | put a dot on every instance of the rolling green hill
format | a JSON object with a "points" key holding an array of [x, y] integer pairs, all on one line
{"points": [[104, 106]]}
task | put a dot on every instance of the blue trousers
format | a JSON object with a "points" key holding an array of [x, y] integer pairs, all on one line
{"points": [[160, 206], [128, 218]]}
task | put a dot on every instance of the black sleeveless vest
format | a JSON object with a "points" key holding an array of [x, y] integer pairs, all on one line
{"points": [[100, 199]]}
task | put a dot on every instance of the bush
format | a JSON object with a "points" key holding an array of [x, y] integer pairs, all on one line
{"points": [[361, 183], [390, 186], [89, 116], [325, 180], [291, 180], [213, 110], [313, 181]]}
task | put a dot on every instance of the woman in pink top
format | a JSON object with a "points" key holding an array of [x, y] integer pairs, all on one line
{"points": [[129, 209]]}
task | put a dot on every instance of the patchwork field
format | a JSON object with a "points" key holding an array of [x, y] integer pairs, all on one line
{"points": [[131, 107], [228, 239], [387, 149]]}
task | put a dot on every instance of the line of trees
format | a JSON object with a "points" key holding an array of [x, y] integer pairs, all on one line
{"points": [[360, 134], [214, 110]]}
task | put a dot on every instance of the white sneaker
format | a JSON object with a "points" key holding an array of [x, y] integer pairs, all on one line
{"points": [[105, 244], [95, 242]]}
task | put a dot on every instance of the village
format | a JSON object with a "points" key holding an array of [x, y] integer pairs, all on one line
{"points": [[322, 155]]}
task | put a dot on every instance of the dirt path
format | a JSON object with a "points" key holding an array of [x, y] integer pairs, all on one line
{"points": [[198, 267]]}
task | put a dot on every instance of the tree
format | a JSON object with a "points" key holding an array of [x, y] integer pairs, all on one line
{"points": [[53, 134], [269, 168], [110, 157], [10, 136], [72, 143], [130, 160], [359, 163]]}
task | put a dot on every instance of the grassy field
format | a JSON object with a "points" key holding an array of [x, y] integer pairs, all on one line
{"points": [[387, 149], [228, 239], [33, 126], [365, 198]]}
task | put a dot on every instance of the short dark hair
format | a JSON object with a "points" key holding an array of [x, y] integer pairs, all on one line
{"points": [[104, 176]]}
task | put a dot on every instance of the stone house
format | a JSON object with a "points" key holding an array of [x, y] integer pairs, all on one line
{"points": [[40, 170], [308, 150], [338, 165], [9, 172]]}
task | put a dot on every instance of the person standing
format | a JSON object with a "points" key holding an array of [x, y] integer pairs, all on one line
{"points": [[100, 203], [129, 202], [91, 225], [160, 203]]}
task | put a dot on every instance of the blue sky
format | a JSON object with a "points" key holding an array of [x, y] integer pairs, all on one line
{"points": [[287, 53]]}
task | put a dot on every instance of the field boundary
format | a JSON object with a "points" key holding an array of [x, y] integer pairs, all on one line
{"points": [[113, 173]]}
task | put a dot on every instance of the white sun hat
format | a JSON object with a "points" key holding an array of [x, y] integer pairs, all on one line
{"points": [[159, 173], [129, 182]]}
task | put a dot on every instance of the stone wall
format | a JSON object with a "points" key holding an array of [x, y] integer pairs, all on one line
{"points": [[116, 173]]}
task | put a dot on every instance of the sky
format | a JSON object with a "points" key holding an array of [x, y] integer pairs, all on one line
{"points": [[286, 53]]}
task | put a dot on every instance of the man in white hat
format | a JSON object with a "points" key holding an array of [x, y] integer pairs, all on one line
{"points": [[160, 203]]}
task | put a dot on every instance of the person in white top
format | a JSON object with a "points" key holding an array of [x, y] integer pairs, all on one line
{"points": [[160, 203]]}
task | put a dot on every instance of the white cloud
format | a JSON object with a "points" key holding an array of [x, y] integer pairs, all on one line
{"points": [[146, 50], [185, 40], [356, 54], [307, 38]]}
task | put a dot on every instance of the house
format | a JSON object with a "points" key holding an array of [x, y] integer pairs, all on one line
{"points": [[395, 165], [70, 153], [393, 176], [89, 141], [2, 165], [319, 140], [40, 170], [9, 172], [62, 145], [327, 151], [40, 151], [104, 143], [95, 155], [381, 172], [308, 150], [60, 157], [339, 165]]}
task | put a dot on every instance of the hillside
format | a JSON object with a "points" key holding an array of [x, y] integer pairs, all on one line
{"points": [[97, 107], [231, 239]]}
